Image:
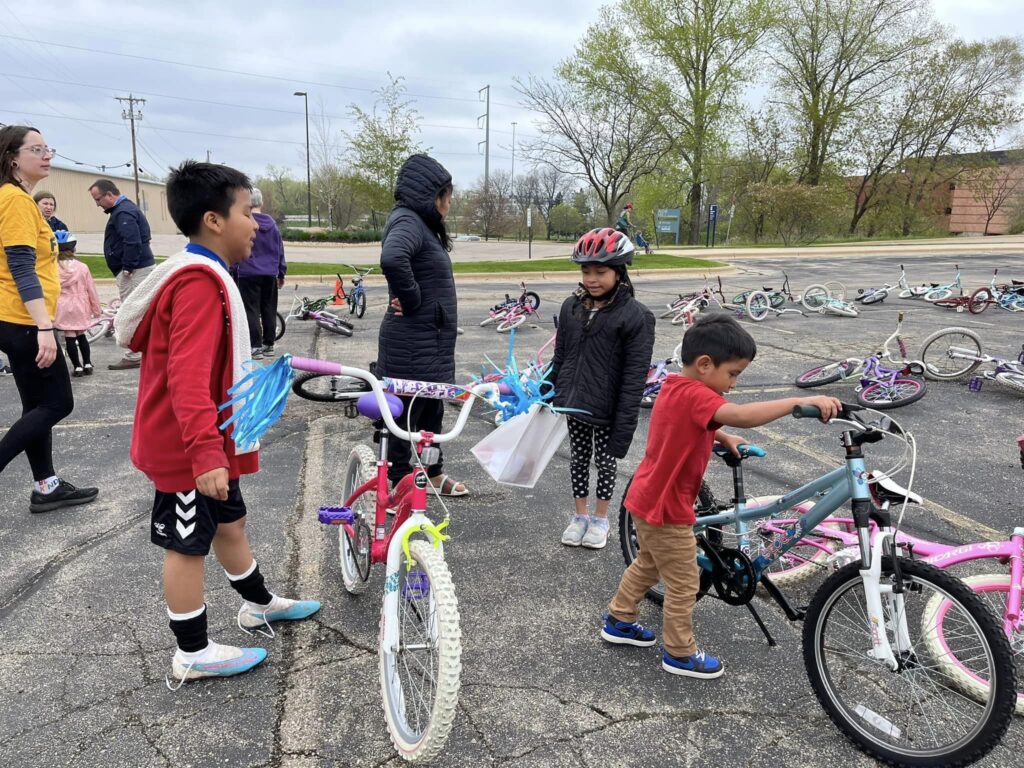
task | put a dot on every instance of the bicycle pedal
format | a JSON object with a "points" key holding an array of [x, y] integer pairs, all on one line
{"points": [[416, 586], [335, 515], [974, 385]]}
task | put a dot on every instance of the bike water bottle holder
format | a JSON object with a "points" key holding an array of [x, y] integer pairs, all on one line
{"points": [[335, 515], [974, 385]]}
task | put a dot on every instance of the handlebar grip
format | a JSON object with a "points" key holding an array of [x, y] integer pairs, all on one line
{"points": [[315, 366], [806, 412]]}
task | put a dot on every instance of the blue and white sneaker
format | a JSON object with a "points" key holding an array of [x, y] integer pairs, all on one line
{"points": [[251, 615], [215, 661], [698, 665], [627, 633]]}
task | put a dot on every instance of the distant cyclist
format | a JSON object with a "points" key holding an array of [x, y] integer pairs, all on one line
{"points": [[625, 221]]}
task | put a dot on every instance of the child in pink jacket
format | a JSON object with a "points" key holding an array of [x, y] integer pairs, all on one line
{"points": [[77, 306]]}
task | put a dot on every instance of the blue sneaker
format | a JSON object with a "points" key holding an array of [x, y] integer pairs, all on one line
{"points": [[251, 616], [626, 633], [216, 661], [698, 665]]}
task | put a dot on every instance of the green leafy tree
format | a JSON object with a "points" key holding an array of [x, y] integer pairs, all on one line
{"points": [[566, 220]]}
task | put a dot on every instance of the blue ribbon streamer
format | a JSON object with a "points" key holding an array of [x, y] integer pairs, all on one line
{"points": [[259, 400]]}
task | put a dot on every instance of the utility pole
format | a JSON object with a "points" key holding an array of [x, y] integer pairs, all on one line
{"points": [[309, 182], [207, 156], [131, 116], [485, 95], [512, 184]]}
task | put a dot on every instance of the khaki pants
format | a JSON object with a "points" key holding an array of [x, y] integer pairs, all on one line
{"points": [[125, 285], [667, 553]]}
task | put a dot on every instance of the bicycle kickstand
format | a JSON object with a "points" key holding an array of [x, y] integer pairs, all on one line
{"points": [[760, 623]]}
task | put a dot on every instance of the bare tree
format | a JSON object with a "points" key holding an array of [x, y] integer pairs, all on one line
{"points": [[609, 143], [998, 184], [552, 188], [492, 203]]}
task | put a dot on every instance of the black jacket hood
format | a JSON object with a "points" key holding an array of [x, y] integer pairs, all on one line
{"points": [[419, 181]]}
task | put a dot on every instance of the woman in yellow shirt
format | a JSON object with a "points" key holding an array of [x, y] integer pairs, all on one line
{"points": [[29, 287]]}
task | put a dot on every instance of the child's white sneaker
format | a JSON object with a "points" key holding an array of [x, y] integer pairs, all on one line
{"points": [[596, 536], [574, 533], [251, 615], [215, 660]]}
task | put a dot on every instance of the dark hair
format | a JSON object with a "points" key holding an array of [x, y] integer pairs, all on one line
{"points": [[194, 188], [442, 231], [719, 337], [105, 186], [41, 195], [12, 138]]}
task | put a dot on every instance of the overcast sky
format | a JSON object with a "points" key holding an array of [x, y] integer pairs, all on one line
{"points": [[220, 76]]}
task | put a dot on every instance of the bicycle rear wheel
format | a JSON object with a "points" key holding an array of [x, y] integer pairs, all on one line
{"points": [[97, 329], [340, 327], [979, 301], [937, 294], [327, 388], [936, 354], [1011, 380], [814, 297], [354, 556], [881, 396], [509, 323], [836, 289], [758, 304], [533, 300], [279, 326], [420, 676], [360, 304], [914, 715], [826, 374]]}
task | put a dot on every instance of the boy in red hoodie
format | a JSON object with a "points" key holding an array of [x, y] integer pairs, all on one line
{"points": [[188, 318]]}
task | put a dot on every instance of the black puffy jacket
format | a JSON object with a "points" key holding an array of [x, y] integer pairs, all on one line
{"points": [[601, 362], [419, 344]]}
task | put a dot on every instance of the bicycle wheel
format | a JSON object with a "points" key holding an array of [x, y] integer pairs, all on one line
{"points": [[97, 329], [882, 396], [354, 557], [826, 374], [360, 304], [758, 304], [419, 677], [673, 309], [937, 294], [492, 319], [508, 324], [842, 308], [350, 300], [814, 297], [836, 289], [327, 388], [647, 401], [979, 300], [533, 300], [704, 505], [339, 327], [740, 298], [279, 326], [936, 354], [1011, 380], [875, 297], [914, 715]]}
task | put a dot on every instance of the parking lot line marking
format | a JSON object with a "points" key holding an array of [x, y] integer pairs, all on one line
{"points": [[955, 519]]}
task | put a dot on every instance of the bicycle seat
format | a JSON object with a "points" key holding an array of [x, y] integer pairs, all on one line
{"points": [[367, 405], [887, 489], [746, 452]]}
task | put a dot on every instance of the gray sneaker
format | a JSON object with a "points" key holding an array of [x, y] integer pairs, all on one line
{"points": [[573, 535], [596, 536]]}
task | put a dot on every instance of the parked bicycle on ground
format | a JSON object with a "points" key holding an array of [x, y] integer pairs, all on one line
{"points": [[355, 297], [1009, 296], [955, 353], [315, 310], [498, 312]]}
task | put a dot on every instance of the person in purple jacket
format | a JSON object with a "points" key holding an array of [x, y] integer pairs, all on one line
{"points": [[259, 277]]}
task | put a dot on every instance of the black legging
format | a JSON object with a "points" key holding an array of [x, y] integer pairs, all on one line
{"points": [[259, 294], [586, 441], [46, 398]]}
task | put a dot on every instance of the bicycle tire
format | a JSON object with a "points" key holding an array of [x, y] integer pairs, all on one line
{"points": [[758, 305], [360, 304], [979, 300], [985, 585], [350, 301], [933, 348], [338, 388], [420, 735], [705, 504], [533, 300], [487, 321], [814, 297], [875, 297], [842, 308], [97, 330], [280, 324], [741, 298], [905, 390], [821, 375], [507, 325], [339, 327], [869, 727], [937, 294], [362, 465], [647, 401], [1011, 380], [836, 289]]}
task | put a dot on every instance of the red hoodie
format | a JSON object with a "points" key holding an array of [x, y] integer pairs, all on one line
{"points": [[185, 339]]}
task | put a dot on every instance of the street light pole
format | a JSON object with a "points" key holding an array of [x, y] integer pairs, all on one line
{"points": [[309, 182]]}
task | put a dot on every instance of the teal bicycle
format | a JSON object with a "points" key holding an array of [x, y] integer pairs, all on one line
{"points": [[871, 652]]}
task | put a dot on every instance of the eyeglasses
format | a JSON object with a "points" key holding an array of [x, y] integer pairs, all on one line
{"points": [[41, 150]]}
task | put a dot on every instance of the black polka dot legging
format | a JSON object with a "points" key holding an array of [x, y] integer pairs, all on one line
{"points": [[586, 440]]}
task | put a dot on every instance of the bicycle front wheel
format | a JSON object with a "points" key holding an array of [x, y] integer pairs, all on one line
{"points": [[883, 395], [937, 294], [334, 325], [360, 304], [511, 322], [836, 289], [826, 374], [354, 556], [419, 677], [96, 330], [1011, 380], [979, 300], [914, 715], [937, 354], [533, 300], [814, 297], [279, 326], [758, 304]]}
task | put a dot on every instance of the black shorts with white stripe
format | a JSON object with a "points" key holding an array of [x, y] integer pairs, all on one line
{"points": [[186, 521]]}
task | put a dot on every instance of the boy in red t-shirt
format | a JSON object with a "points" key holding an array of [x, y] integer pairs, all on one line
{"points": [[188, 318], [685, 424]]}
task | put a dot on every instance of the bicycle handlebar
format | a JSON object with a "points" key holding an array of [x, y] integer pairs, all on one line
{"points": [[326, 367]]}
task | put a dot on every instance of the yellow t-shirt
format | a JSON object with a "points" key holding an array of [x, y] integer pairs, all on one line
{"points": [[21, 223]]}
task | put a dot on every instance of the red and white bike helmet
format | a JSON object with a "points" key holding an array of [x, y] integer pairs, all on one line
{"points": [[605, 246]]}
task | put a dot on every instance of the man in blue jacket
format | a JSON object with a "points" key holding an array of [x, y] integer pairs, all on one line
{"points": [[125, 248]]}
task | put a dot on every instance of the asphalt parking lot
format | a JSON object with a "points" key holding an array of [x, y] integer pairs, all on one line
{"points": [[84, 643]]}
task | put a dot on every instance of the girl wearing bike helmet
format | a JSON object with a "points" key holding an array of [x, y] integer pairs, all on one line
{"points": [[77, 306], [602, 353]]}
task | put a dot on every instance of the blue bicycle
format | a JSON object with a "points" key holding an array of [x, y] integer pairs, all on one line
{"points": [[355, 297], [872, 655]]}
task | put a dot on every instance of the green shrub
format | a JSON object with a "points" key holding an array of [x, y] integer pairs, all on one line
{"points": [[293, 234]]}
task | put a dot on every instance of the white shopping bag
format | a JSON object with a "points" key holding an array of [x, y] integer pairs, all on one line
{"points": [[518, 451]]}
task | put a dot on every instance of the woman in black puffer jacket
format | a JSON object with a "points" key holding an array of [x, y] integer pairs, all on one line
{"points": [[602, 354], [417, 335]]}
